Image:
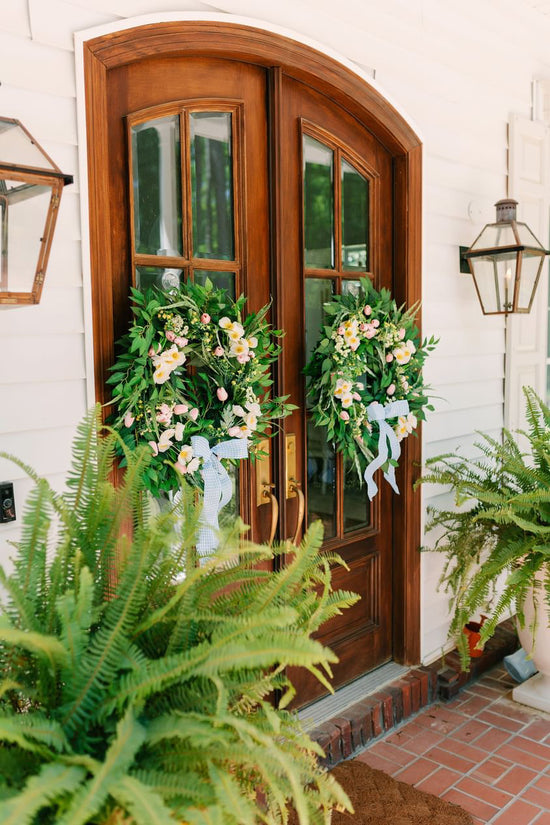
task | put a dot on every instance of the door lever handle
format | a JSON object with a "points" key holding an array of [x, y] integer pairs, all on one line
{"points": [[269, 496], [294, 487]]}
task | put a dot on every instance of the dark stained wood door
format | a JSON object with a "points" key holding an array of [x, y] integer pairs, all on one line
{"points": [[309, 212]]}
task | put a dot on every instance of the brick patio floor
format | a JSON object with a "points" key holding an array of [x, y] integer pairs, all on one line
{"points": [[481, 750]]}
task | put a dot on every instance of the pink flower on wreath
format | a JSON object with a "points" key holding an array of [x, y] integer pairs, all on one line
{"points": [[391, 389], [218, 352], [193, 414], [243, 358], [356, 396], [363, 327], [205, 318], [170, 335], [181, 342], [367, 309], [181, 468], [128, 419], [375, 322], [401, 334], [370, 332], [181, 409], [340, 330], [344, 415], [389, 358], [154, 447], [221, 392]]}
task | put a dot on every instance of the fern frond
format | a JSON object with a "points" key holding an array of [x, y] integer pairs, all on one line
{"points": [[51, 784]]}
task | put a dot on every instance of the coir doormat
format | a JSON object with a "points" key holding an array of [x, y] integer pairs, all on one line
{"points": [[380, 800]]}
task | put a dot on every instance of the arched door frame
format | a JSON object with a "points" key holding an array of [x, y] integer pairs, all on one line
{"points": [[337, 80]]}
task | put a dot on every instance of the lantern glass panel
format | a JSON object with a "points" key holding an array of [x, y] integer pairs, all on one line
{"points": [[494, 277], [495, 235], [530, 267], [24, 209], [18, 149], [526, 237]]}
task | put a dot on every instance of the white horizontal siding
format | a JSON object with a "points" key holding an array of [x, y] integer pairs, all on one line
{"points": [[31, 358], [46, 16], [14, 18]]}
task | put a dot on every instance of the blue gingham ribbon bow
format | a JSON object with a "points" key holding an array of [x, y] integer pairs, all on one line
{"points": [[217, 485], [387, 439]]}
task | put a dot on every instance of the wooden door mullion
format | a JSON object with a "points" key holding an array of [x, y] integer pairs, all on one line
{"points": [[186, 193]]}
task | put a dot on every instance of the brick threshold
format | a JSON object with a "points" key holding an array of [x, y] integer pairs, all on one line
{"points": [[377, 713]]}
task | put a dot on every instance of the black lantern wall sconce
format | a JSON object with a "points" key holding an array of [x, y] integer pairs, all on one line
{"points": [[505, 261], [30, 192]]}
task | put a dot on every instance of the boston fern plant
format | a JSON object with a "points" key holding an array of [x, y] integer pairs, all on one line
{"points": [[499, 538], [138, 687]]}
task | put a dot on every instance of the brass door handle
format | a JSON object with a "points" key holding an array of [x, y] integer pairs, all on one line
{"points": [[294, 487], [268, 495]]}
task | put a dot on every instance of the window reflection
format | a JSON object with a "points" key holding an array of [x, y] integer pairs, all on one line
{"points": [[318, 204], [321, 479], [212, 185], [149, 276], [355, 218], [156, 180], [221, 280]]}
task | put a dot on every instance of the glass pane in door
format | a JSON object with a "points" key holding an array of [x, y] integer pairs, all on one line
{"points": [[221, 280], [149, 276], [355, 218], [321, 479], [212, 185], [156, 186], [318, 204]]}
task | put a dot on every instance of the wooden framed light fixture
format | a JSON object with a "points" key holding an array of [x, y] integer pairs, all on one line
{"points": [[505, 261], [30, 191]]}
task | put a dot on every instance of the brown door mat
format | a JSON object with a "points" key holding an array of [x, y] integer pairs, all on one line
{"points": [[378, 799]]}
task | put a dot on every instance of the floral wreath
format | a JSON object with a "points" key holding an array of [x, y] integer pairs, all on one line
{"points": [[191, 366], [366, 369]]}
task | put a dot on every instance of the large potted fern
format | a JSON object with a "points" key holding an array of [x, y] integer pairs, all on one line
{"points": [[496, 540], [137, 687]]}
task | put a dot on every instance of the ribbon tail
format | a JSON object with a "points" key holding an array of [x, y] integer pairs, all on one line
{"points": [[207, 540], [376, 463], [395, 447]]}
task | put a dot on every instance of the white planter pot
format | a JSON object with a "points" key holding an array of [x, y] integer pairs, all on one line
{"points": [[536, 690]]}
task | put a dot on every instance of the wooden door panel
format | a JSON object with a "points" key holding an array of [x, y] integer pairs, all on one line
{"points": [[362, 636]]}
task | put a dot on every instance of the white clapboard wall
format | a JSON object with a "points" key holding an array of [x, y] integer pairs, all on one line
{"points": [[529, 184]]}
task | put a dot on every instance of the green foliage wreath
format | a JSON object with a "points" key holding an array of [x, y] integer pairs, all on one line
{"points": [[190, 365], [369, 351]]}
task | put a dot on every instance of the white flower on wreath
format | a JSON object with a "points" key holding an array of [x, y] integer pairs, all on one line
{"points": [[238, 348], [251, 421], [254, 408], [161, 373], [404, 353], [347, 400], [165, 440], [405, 425], [239, 432], [343, 387]]}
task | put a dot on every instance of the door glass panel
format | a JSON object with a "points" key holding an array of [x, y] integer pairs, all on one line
{"points": [[351, 288], [321, 479], [212, 185], [356, 503], [318, 204], [221, 280], [318, 292], [355, 219], [148, 276], [156, 181]]}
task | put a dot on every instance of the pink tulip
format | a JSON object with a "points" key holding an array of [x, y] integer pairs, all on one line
{"points": [[356, 396], [222, 394], [171, 336], [128, 419], [154, 446], [367, 309], [340, 330], [181, 409], [401, 334], [376, 322], [389, 358], [181, 342], [205, 318], [234, 432], [344, 415], [218, 352], [181, 468], [391, 389], [194, 414]]}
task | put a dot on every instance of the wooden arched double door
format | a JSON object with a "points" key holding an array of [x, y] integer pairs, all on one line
{"points": [[245, 174]]}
